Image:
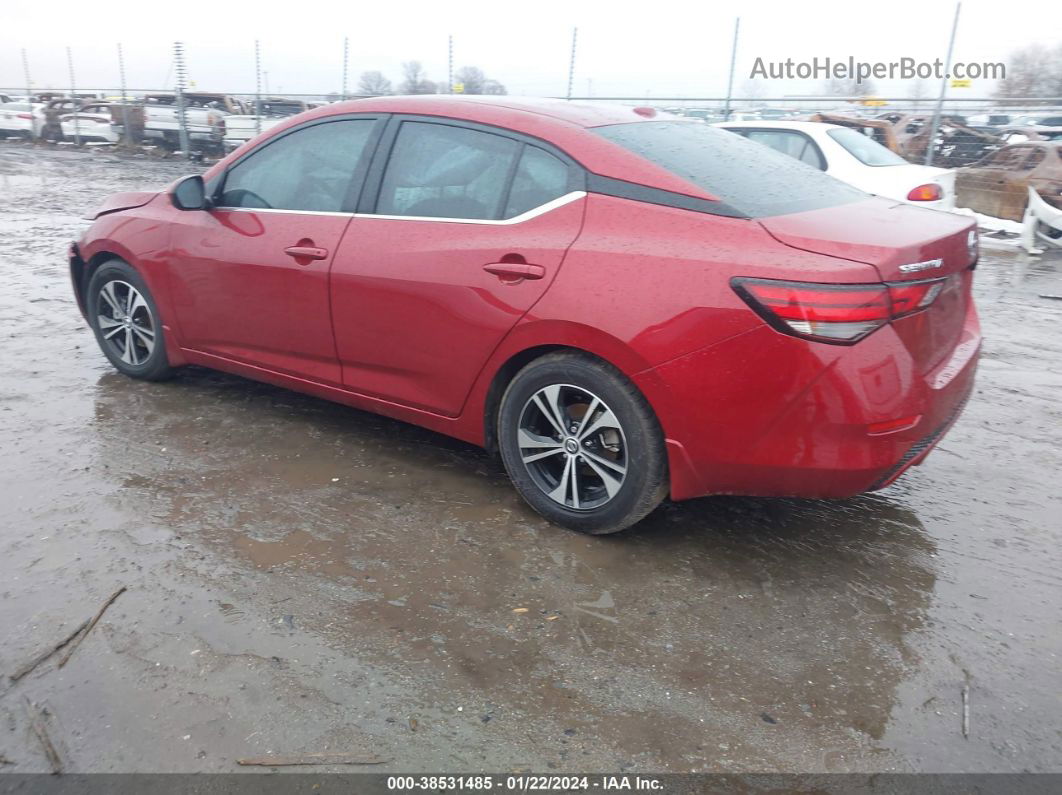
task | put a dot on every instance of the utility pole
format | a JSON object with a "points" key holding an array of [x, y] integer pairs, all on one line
{"points": [[73, 96], [935, 127], [733, 61], [182, 117], [258, 85], [571, 63], [450, 65]]}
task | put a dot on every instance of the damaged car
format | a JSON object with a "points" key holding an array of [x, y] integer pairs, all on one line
{"points": [[999, 185]]}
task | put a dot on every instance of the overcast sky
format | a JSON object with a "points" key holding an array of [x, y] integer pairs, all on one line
{"points": [[655, 49]]}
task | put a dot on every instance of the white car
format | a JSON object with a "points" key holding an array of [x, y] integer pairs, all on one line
{"points": [[852, 157], [90, 123], [21, 118]]}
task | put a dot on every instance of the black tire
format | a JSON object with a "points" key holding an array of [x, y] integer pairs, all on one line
{"points": [[107, 301], [627, 450]]}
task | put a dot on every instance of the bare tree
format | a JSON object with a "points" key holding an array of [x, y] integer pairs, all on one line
{"points": [[471, 78], [918, 91], [474, 81], [374, 84], [848, 88], [416, 79], [1032, 71]]}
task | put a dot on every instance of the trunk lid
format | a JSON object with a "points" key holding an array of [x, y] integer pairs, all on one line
{"points": [[903, 243]]}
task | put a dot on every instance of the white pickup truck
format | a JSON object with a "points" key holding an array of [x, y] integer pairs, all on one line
{"points": [[205, 116], [239, 129]]}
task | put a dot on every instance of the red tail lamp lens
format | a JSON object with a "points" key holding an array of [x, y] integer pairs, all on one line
{"points": [[836, 313], [930, 192]]}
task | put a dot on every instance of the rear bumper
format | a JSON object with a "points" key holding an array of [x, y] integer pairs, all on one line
{"points": [[768, 415]]}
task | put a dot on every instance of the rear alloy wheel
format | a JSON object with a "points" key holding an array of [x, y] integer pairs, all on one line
{"points": [[124, 317], [581, 445]]}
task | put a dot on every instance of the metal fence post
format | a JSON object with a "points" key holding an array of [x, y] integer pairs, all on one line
{"points": [[571, 62], [258, 84], [346, 61], [127, 133], [733, 61], [931, 143], [182, 117], [29, 92], [73, 97]]}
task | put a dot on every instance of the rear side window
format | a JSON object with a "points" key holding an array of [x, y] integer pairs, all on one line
{"points": [[441, 171], [311, 169], [539, 178], [864, 149], [752, 179], [789, 143]]}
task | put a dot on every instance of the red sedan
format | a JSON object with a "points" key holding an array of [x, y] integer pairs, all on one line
{"points": [[624, 305]]}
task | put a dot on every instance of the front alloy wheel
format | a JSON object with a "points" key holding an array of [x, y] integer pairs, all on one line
{"points": [[125, 321], [124, 316]]}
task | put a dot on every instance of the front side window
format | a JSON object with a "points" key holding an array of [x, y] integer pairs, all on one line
{"points": [[441, 171], [311, 169]]}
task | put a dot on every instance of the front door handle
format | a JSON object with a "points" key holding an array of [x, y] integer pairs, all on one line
{"points": [[306, 252], [508, 271]]}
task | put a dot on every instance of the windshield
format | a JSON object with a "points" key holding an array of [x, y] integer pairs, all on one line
{"points": [[755, 180], [865, 150]]}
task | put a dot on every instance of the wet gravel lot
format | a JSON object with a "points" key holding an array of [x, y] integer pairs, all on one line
{"points": [[305, 577]]}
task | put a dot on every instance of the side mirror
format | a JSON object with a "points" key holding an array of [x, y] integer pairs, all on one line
{"points": [[190, 194]]}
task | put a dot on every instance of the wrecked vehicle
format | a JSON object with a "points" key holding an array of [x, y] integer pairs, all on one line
{"points": [[21, 119], [53, 111], [263, 115], [1019, 135], [957, 144], [581, 288], [1042, 225], [91, 122], [205, 116], [998, 185]]}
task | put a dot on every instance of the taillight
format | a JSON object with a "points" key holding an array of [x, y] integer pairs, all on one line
{"points": [[930, 192], [837, 313], [24, 116]]}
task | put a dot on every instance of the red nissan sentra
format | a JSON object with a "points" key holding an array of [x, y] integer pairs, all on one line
{"points": [[625, 305]]}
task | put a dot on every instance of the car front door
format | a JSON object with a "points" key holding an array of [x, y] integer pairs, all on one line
{"points": [[249, 277], [464, 232]]}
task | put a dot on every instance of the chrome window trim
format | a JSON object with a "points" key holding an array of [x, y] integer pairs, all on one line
{"points": [[275, 210], [534, 212]]}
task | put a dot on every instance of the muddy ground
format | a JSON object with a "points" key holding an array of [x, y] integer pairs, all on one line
{"points": [[305, 577]]}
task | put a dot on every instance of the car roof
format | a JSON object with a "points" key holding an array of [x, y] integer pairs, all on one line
{"points": [[583, 114]]}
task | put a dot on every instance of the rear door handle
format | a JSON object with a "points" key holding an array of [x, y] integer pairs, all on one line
{"points": [[306, 252], [515, 270]]}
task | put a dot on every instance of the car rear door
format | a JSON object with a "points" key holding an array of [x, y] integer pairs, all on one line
{"points": [[249, 277], [461, 230]]}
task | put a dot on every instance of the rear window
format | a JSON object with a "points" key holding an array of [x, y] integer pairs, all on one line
{"points": [[865, 149], [754, 180]]}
